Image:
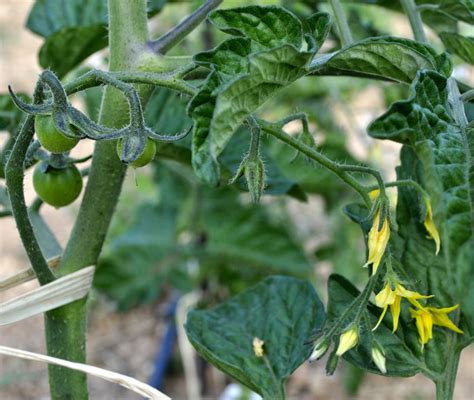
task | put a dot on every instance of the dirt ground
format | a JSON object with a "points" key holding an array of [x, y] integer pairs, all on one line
{"points": [[126, 343]]}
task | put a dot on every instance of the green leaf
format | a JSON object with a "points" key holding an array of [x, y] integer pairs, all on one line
{"points": [[386, 57], [65, 49], [73, 30], [249, 236], [246, 71], [402, 350], [460, 45], [50, 16], [266, 27], [281, 311], [438, 155], [172, 118], [458, 9]]}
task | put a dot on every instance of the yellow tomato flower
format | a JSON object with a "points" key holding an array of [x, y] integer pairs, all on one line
{"points": [[377, 241], [258, 346], [426, 317], [347, 341], [392, 298], [431, 227]]}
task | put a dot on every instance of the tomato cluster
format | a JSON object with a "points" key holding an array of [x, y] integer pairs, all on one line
{"points": [[59, 187]]}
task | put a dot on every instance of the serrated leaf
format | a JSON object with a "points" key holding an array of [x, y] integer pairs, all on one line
{"points": [[461, 45], [402, 349], [172, 118], [247, 70], [281, 311], [438, 155], [386, 57], [268, 27]]}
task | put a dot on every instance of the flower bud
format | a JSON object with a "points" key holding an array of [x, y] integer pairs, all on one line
{"points": [[254, 170], [319, 350], [430, 225], [379, 236], [255, 175], [378, 356], [347, 341]]}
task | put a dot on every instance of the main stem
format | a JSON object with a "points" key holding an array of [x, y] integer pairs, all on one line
{"points": [[413, 15], [341, 22], [66, 326]]}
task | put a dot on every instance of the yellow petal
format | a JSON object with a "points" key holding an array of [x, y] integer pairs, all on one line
{"points": [[377, 241], [431, 227], [347, 341], [381, 318], [441, 318], [395, 308], [385, 297], [402, 291]]}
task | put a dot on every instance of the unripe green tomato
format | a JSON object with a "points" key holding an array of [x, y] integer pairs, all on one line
{"points": [[50, 138], [57, 187], [147, 156]]}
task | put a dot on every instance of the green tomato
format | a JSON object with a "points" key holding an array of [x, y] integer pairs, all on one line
{"points": [[57, 187], [49, 136], [146, 157]]}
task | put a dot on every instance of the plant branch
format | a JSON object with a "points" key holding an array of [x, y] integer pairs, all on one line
{"points": [[467, 96], [183, 29], [416, 23], [14, 173], [276, 131], [167, 80], [341, 22]]}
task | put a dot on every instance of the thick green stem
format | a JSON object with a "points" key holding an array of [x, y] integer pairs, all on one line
{"points": [[341, 22], [413, 15], [316, 156], [66, 326], [445, 385]]}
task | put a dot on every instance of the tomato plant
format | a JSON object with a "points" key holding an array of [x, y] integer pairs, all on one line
{"points": [[401, 307]]}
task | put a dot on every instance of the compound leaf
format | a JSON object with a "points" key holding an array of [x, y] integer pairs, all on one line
{"points": [[246, 71]]}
